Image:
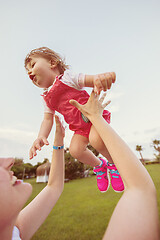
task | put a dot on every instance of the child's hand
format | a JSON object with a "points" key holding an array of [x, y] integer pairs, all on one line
{"points": [[103, 81], [38, 143]]}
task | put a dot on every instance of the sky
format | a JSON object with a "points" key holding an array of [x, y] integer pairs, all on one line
{"points": [[94, 37]]}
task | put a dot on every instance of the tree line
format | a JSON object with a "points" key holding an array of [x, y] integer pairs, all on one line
{"points": [[156, 145], [73, 168]]}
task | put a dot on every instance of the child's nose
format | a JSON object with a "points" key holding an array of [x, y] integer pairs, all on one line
{"points": [[29, 72]]}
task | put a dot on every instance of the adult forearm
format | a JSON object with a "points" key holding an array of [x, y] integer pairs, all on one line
{"points": [[56, 176], [34, 214]]}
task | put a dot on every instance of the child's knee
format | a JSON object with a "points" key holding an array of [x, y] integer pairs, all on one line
{"points": [[97, 143], [78, 146], [75, 151]]}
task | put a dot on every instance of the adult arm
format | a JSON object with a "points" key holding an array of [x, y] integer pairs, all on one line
{"points": [[34, 214], [136, 214]]}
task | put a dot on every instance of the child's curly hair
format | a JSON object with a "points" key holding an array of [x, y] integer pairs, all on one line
{"points": [[49, 55]]}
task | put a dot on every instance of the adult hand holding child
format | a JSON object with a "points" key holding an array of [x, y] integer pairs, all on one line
{"points": [[93, 107]]}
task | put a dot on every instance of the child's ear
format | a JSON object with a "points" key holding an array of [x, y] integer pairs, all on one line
{"points": [[53, 64]]}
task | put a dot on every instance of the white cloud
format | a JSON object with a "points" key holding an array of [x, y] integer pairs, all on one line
{"points": [[16, 134]]}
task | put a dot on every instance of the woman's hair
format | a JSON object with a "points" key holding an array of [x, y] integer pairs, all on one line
{"points": [[49, 55]]}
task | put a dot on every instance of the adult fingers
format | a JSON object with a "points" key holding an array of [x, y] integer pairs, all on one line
{"points": [[105, 104], [96, 90], [60, 127], [75, 104], [98, 84], [102, 98], [104, 82], [58, 122]]}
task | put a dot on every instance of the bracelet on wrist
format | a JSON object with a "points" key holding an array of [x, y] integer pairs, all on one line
{"points": [[58, 147]]}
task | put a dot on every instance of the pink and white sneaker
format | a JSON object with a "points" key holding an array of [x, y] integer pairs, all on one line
{"points": [[102, 176], [116, 180]]}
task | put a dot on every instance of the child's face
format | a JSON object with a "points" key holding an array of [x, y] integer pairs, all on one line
{"points": [[41, 72]]}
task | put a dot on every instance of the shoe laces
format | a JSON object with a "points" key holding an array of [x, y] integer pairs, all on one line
{"points": [[114, 172], [100, 173]]}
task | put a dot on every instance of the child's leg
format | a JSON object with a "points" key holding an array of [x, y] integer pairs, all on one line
{"points": [[78, 149], [96, 142]]}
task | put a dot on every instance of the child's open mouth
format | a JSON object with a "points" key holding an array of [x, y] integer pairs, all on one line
{"points": [[32, 77]]}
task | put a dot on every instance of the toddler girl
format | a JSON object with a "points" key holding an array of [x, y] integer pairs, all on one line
{"points": [[48, 70]]}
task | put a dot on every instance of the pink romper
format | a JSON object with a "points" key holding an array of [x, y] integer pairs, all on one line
{"points": [[57, 99]]}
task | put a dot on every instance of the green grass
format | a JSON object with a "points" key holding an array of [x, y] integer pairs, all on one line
{"points": [[82, 212]]}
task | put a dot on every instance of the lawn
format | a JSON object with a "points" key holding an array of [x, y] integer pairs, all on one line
{"points": [[82, 212]]}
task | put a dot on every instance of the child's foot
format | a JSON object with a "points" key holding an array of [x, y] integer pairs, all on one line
{"points": [[102, 176], [116, 180]]}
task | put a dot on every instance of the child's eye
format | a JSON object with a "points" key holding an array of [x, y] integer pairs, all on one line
{"points": [[33, 65]]}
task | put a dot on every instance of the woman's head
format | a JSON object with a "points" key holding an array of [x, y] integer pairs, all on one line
{"points": [[14, 193], [49, 55]]}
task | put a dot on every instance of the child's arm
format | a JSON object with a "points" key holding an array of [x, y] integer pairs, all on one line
{"points": [[100, 81], [44, 132], [34, 214]]}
